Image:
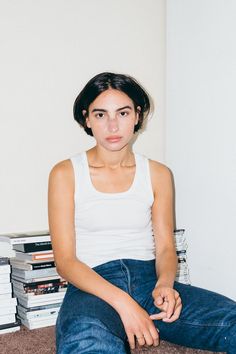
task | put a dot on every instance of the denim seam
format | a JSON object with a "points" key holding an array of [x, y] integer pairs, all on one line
{"points": [[128, 275]]}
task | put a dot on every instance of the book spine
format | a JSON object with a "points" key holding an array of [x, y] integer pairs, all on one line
{"points": [[32, 266], [34, 273], [42, 256], [30, 302], [39, 314], [5, 269], [43, 265], [8, 302], [29, 239], [34, 247], [4, 260], [39, 291], [22, 285]]}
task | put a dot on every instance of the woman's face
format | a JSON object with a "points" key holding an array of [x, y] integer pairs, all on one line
{"points": [[112, 118]]}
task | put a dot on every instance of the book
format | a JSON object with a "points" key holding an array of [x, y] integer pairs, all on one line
{"points": [[6, 310], [5, 288], [10, 329], [40, 290], [33, 246], [9, 318], [52, 282], [6, 250], [4, 278], [5, 296], [34, 280], [27, 274], [39, 324], [35, 298], [47, 256], [4, 260], [39, 315], [25, 237], [41, 307], [13, 324], [40, 300], [39, 287], [26, 314], [20, 264], [8, 302], [5, 269]]}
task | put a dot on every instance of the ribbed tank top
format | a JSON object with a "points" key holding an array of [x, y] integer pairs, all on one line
{"points": [[111, 226]]}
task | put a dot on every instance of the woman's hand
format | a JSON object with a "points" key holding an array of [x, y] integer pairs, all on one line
{"points": [[168, 301], [137, 323]]}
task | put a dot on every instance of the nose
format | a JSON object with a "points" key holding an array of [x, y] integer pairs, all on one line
{"points": [[113, 126]]}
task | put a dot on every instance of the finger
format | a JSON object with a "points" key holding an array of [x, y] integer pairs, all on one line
{"points": [[175, 316], [163, 306], [140, 339], [158, 316], [159, 300], [177, 294], [171, 306], [177, 305], [178, 302], [155, 335], [148, 337], [131, 340]]}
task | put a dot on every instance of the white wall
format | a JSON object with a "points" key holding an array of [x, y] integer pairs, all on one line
{"points": [[200, 140], [49, 50]]}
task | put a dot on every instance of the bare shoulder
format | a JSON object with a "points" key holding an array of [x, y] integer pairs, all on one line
{"points": [[62, 168], [62, 171], [159, 169], [161, 175]]}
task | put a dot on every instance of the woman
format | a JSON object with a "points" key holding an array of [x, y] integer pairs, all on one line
{"points": [[111, 223]]}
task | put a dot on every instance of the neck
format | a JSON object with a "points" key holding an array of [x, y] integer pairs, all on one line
{"points": [[112, 159]]}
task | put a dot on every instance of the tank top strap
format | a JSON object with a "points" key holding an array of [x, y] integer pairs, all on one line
{"points": [[143, 176], [80, 175]]}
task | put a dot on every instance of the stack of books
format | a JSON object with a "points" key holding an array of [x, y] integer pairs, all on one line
{"points": [[182, 275], [8, 322], [36, 284]]}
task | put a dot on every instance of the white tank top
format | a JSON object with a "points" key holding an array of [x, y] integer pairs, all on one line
{"points": [[111, 226]]}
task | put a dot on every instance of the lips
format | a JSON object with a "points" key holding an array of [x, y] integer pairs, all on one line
{"points": [[113, 139]]}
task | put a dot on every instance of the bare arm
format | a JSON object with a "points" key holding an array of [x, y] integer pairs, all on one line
{"points": [[61, 224], [165, 298]]}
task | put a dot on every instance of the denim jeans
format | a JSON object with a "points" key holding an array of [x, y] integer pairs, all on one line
{"points": [[87, 324]]}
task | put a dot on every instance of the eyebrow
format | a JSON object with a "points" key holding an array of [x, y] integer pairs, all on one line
{"points": [[104, 110]]}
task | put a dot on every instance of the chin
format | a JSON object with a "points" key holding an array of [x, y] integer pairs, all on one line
{"points": [[115, 147]]}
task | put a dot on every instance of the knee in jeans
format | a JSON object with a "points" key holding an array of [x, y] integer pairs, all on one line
{"points": [[87, 335], [82, 327]]}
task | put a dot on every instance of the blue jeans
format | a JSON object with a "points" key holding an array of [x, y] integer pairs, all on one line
{"points": [[87, 324]]}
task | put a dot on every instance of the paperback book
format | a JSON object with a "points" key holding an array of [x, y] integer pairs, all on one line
{"points": [[25, 237], [21, 264]]}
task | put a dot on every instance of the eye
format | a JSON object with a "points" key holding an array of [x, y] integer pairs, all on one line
{"points": [[99, 115], [124, 113]]}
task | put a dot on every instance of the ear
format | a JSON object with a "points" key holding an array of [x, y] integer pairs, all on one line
{"points": [[88, 122], [138, 110], [84, 112]]}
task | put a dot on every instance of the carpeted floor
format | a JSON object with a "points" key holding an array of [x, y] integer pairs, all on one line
{"points": [[42, 341]]}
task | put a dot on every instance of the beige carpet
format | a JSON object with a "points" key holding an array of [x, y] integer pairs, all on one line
{"points": [[42, 341]]}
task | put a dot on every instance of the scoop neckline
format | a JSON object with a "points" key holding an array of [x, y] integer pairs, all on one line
{"points": [[113, 193]]}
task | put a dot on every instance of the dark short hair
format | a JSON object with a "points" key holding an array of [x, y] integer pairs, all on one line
{"points": [[103, 82]]}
